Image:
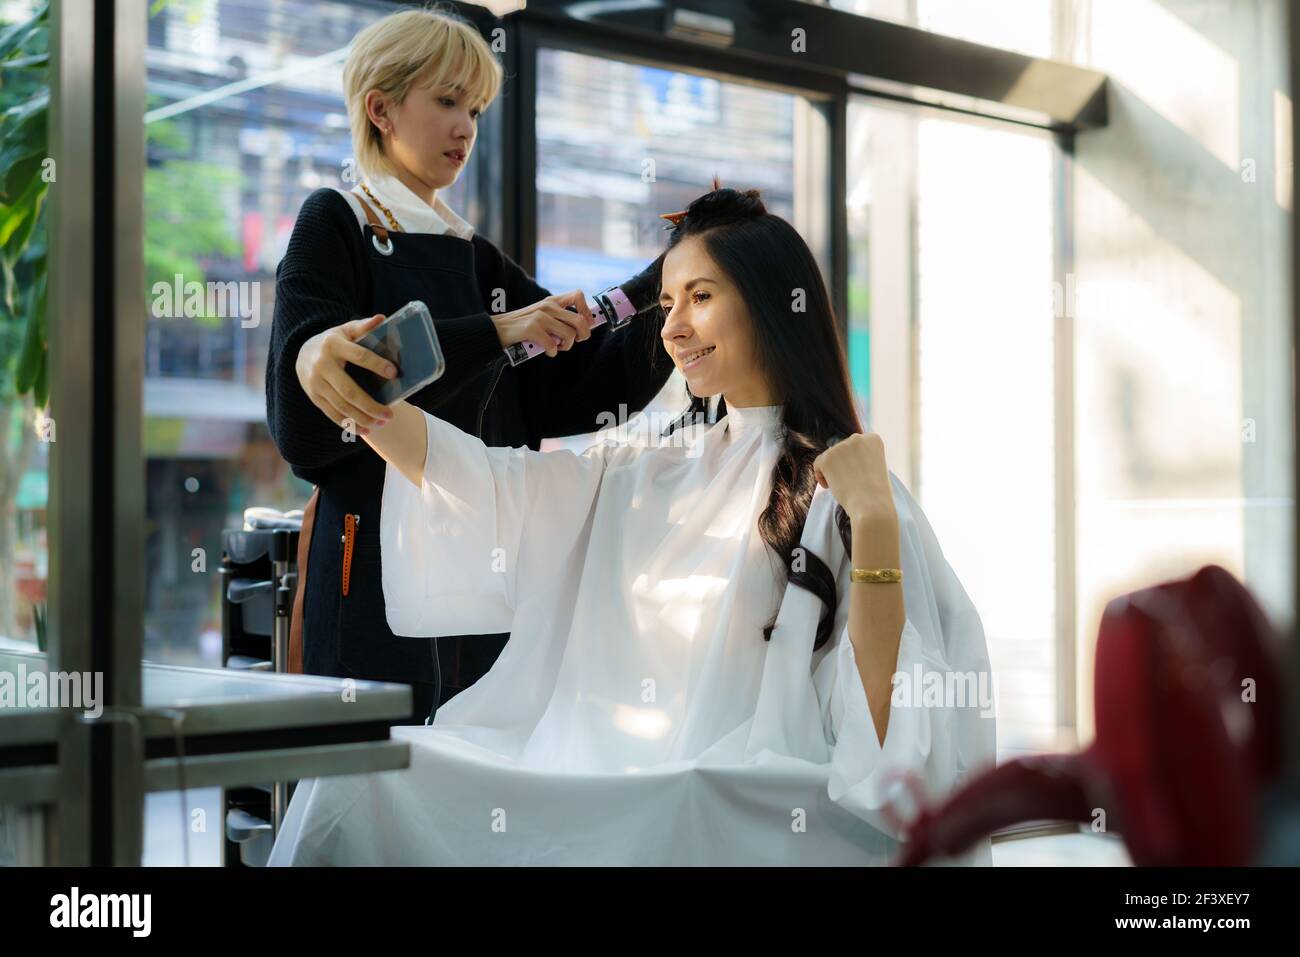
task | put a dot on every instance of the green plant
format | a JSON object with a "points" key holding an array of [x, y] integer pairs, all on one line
{"points": [[184, 223], [28, 172], [25, 177]]}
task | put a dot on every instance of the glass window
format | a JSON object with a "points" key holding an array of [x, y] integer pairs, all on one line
{"points": [[246, 118], [620, 143], [24, 90], [1024, 26], [8, 836], [951, 345], [185, 828], [23, 835]]}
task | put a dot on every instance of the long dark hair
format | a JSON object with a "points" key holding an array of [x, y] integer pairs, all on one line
{"points": [[800, 355]]}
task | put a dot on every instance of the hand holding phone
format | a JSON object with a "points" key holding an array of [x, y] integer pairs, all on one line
{"points": [[408, 340]]}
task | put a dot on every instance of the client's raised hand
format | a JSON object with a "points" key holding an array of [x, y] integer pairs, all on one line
{"points": [[325, 380], [855, 472]]}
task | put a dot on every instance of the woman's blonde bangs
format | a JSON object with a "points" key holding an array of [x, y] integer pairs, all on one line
{"points": [[465, 61]]}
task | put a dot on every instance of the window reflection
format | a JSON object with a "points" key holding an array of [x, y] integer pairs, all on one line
{"points": [[618, 144]]}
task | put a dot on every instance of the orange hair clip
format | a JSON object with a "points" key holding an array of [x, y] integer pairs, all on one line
{"points": [[676, 218]]}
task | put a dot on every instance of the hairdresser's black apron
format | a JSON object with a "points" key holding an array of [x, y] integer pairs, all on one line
{"points": [[348, 635]]}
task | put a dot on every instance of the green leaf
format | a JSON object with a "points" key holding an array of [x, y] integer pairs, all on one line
{"points": [[38, 301], [18, 34], [18, 219], [24, 137], [17, 243], [22, 172], [41, 388], [21, 211], [29, 107], [26, 62], [7, 288], [34, 255], [31, 352], [39, 620]]}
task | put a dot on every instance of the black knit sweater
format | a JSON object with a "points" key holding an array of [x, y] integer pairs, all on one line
{"points": [[323, 280]]}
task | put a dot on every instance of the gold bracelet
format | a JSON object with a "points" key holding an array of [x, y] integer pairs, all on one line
{"points": [[877, 575]]}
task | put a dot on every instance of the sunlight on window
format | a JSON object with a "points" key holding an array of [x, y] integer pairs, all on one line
{"points": [[955, 327], [985, 389], [1024, 26]]}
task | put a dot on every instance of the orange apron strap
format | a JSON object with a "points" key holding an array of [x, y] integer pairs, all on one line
{"points": [[300, 593], [380, 230]]}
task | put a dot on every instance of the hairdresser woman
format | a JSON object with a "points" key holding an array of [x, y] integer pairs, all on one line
{"points": [[415, 82]]}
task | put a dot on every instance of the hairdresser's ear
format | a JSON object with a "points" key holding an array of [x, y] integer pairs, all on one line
{"points": [[377, 108]]}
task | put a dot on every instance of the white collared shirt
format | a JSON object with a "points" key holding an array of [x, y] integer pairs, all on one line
{"points": [[413, 213]]}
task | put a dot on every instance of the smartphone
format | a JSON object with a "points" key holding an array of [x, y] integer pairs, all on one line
{"points": [[409, 341]]}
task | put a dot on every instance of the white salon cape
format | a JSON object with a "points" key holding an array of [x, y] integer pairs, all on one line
{"points": [[637, 716]]}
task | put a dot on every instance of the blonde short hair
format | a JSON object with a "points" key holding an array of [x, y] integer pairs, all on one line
{"points": [[391, 53]]}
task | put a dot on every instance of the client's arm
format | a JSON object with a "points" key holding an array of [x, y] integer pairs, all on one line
{"points": [[452, 512], [855, 472], [897, 643], [470, 531], [403, 442]]}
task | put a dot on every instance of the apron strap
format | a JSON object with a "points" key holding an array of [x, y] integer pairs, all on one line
{"points": [[300, 591], [375, 222]]}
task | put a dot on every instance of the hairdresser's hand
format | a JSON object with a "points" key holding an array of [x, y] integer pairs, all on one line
{"points": [[549, 322], [322, 375], [854, 470]]}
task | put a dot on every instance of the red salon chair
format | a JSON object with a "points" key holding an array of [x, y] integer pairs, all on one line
{"points": [[1189, 734]]}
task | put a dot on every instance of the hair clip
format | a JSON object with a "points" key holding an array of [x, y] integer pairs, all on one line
{"points": [[674, 218]]}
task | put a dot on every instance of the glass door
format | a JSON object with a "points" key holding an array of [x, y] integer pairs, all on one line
{"points": [[620, 142]]}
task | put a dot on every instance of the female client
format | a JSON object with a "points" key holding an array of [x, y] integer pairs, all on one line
{"points": [[719, 644]]}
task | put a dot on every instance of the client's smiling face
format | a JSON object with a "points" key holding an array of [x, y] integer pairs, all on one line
{"points": [[707, 330]]}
